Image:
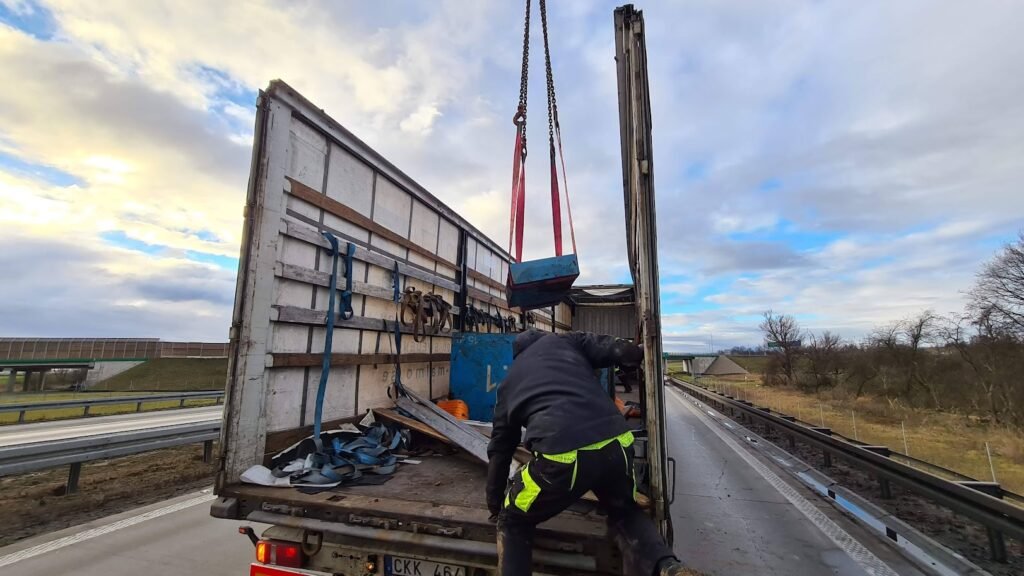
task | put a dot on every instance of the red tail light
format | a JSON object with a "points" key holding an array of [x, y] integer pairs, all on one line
{"points": [[279, 553]]}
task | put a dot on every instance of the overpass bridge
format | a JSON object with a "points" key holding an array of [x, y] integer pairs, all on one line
{"points": [[692, 363], [103, 357]]}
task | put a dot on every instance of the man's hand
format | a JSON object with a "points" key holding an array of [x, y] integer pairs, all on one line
{"points": [[494, 502], [631, 354]]}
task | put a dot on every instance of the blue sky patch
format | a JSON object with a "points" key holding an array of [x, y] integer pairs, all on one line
{"points": [[122, 240], [696, 171], [790, 234], [49, 174], [30, 18], [225, 262], [227, 88]]}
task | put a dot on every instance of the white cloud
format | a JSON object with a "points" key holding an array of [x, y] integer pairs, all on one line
{"points": [[901, 150]]}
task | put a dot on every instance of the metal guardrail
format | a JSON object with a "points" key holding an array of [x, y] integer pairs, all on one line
{"points": [[984, 502], [22, 458], [181, 397]]}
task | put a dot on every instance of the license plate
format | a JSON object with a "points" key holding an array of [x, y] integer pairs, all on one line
{"points": [[398, 566]]}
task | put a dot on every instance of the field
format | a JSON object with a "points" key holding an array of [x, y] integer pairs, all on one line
{"points": [[752, 364], [171, 375], [953, 441]]}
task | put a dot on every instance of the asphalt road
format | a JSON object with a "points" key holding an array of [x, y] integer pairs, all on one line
{"points": [[732, 516], [74, 428], [173, 537]]}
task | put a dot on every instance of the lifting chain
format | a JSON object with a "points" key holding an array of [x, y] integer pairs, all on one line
{"points": [[520, 118], [552, 105]]}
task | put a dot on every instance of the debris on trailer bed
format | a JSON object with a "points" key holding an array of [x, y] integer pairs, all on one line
{"points": [[370, 453], [346, 455]]}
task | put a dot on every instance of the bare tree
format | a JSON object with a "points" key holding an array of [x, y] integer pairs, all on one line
{"points": [[824, 359], [783, 333], [997, 298], [919, 331]]}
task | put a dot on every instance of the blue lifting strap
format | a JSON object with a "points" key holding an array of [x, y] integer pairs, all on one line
{"points": [[325, 366], [398, 357], [346, 295], [395, 281]]}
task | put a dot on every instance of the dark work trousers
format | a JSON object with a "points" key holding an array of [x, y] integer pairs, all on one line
{"points": [[607, 471]]}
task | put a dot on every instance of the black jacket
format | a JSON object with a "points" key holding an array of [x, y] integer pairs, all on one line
{"points": [[552, 391]]}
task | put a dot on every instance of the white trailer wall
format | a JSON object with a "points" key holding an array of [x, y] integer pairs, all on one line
{"points": [[309, 175]]}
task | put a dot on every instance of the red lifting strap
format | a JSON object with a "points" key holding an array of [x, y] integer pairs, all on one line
{"points": [[556, 210], [517, 210], [517, 216]]}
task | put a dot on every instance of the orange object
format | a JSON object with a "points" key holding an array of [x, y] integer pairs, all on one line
{"points": [[621, 406], [627, 411], [456, 408]]}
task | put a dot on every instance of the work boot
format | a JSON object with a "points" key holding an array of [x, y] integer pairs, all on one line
{"points": [[672, 567]]}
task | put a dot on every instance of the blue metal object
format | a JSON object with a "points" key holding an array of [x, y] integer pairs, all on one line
{"points": [[479, 363], [540, 283], [606, 376]]}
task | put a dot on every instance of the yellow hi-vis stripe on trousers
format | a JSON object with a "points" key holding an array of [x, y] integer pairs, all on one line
{"points": [[531, 489]]}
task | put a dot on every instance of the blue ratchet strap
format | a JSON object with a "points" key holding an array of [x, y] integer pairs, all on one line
{"points": [[346, 294], [396, 279], [398, 357], [325, 367]]}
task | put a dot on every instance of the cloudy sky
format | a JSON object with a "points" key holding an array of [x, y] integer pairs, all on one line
{"points": [[850, 163]]}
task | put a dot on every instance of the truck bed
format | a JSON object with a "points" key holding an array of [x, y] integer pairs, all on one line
{"points": [[444, 491]]}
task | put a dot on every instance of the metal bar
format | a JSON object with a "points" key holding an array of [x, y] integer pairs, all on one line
{"points": [[21, 408], [30, 457], [73, 474], [207, 451]]}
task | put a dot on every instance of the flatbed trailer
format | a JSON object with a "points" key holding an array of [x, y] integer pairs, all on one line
{"points": [[310, 175]]}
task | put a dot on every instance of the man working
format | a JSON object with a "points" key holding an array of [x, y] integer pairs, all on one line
{"points": [[580, 443]]}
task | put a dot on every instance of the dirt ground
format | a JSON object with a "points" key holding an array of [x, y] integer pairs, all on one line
{"points": [[32, 504]]}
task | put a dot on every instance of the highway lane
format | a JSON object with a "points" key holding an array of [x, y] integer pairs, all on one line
{"points": [[173, 537], [731, 516], [61, 429]]}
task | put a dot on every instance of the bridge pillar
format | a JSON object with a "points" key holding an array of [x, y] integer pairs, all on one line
{"points": [[26, 382], [12, 379], [42, 379]]}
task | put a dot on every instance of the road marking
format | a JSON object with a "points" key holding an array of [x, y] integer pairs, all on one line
{"points": [[854, 549], [101, 530]]}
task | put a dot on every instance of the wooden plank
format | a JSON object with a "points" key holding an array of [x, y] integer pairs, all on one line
{"points": [[461, 435], [309, 276], [328, 204], [298, 315], [485, 279], [310, 235], [477, 294], [297, 359], [277, 441], [411, 424]]}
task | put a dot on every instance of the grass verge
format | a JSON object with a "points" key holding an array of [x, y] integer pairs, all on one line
{"points": [[953, 441], [103, 410], [170, 375]]}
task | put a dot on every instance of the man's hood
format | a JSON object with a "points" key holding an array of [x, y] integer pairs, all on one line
{"points": [[525, 340]]}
